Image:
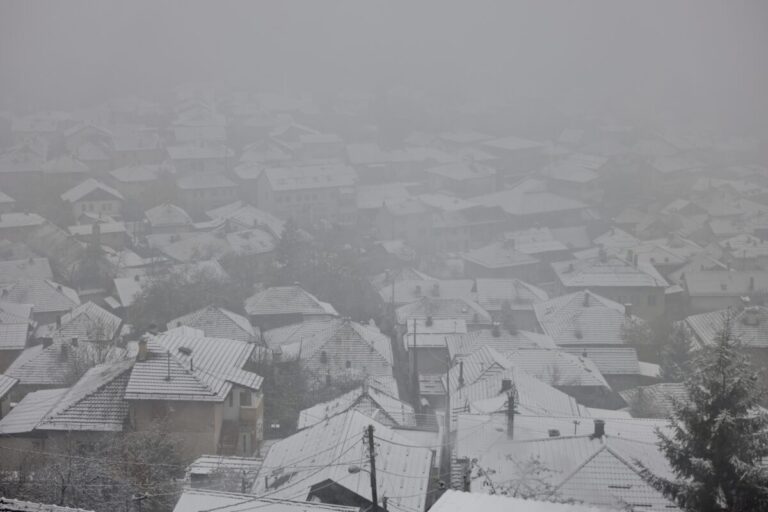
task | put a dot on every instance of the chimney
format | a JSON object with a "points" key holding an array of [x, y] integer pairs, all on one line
{"points": [[628, 310], [553, 432], [142, 354], [510, 414], [506, 385], [496, 330], [74, 342], [599, 429], [461, 374]]}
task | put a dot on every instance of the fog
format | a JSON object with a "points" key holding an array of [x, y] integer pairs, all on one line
{"points": [[659, 58]]}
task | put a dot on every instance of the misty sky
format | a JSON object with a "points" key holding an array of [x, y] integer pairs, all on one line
{"points": [[689, 56]]}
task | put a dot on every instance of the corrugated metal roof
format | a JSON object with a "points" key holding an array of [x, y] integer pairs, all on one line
{"points": [[200, 368], [325, 451], [610, 271], [10, 505], [285, 300], [30, 268], [208, 464], [610, 360], [749, 325], [465, 343], [217, 322], [6, 384], [583, 318], [444, 308], [491, 294], [86, 322], [46, 296], [14, 336], [558, 367]]}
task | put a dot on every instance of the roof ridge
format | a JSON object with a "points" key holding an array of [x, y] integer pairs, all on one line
{"points": [[578, 468]]}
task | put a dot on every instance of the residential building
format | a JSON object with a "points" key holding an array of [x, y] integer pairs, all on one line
{"points": [[201, 158], [92, 196], [6, 386], [283, 305], [200, 500], [309, 194], [501, 260], [16, 325], [16, 226], [168, 219], [510, 300], [712, 290], [201, 192], [637, 284], [464, 178], [218, 322], [200, 388], [49, 298], [86, 322]]}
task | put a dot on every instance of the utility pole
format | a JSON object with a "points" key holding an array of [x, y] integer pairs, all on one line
{"points": [[372, 456], [416, 385]]}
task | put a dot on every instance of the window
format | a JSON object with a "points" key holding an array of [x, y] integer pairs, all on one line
{"points": [[245, 399], [324, 357]]}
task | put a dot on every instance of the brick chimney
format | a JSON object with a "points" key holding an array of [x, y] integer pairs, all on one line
{"points": [[461, 374], [510, 414], [143, 351]]}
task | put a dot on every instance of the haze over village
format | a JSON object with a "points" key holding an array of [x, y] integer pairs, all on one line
{"points": [[338, 256]]}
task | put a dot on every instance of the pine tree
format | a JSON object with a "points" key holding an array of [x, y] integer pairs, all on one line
{"points": [[676, 355], [719, 436]]}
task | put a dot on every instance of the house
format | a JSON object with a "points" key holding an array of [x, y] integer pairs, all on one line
{"points": [[371, 399], [168, 219], [517, 156], [64, 172], [21, 168], [425, 343], [745, 252], [140, 184], [29, 268], [111, 234], [91, 145], [218, 322], [201, 192], [50, 299], [510, 300], [411, 286], [136, 146], [321, 146], [712, 290], [490, 462], [246, 216], [17, 226], [637, 284], [576, 176], [200, 158], [465, 179], [200, 388], [310, 193], [619, 365], [86, 322], [338, 350], [200, 500], [283, 305], [45, 420], [291, 466], [655, 400], [92, 196], [16, 325], [444, 308], [501, 260]]}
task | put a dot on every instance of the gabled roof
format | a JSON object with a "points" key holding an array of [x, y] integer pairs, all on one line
{"points": [[479, 364], [81, 191], [31, 268], [583, 318], [750, 325], [492, 293], [558, 367], [55, 365], [29, 412], [444, 308], [289, 334], [86, 322], [204, 181], [656, 400], [248, 216], [367, 399], [500, 340], [285, 300], [95, 403], [20, 220], [43, 294], [340, 440], [521, 202], [167, 215], [217, 322], [609, 360], [413, 286], [338, 330], [65, 164], [137, 173], [200, 368], [607, 270]]}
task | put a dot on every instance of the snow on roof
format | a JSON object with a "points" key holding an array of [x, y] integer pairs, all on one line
{"points": [[310, 177], [499, 255], [461, 171], [285, 300], [456, 501], [444, 308], [340, 440], [44, 294], [30, 411], [6, 385], [20, 220], [609, 271], [582, 318], [201, 368], [10, 505], [167, 215], [204, 181], [82, 190], [31, 268], [86, 322], [204, 500], [492, 293], [217, 322], [512, 143]]}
